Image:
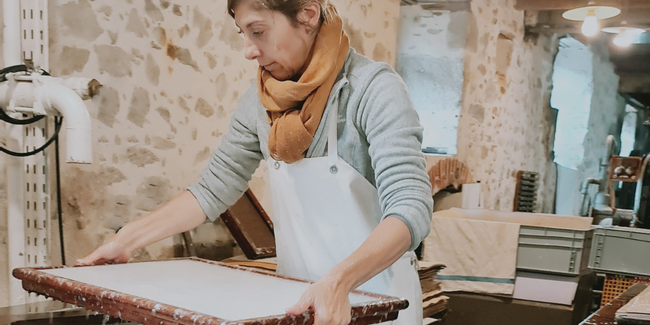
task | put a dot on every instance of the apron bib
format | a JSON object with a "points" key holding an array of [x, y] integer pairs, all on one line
{"points": [[323, 211]]}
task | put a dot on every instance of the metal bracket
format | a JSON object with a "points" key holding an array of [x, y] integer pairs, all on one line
{"points": [[29, 64]]}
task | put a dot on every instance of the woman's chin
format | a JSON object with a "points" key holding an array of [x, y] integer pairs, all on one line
{"points": [[280, 76]]}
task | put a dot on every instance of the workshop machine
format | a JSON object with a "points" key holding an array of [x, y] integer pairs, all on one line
{"points": [[633, 207]]}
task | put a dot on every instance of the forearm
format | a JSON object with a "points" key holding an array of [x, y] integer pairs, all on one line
{"points": [[181, 214], [386, 244]]}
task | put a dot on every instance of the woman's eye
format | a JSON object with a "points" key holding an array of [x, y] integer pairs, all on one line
{"points": [[258, 33]]}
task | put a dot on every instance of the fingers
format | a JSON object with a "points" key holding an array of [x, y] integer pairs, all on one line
{"points": [[107, 253], [301, 306], [331, 307], [89, 260]]}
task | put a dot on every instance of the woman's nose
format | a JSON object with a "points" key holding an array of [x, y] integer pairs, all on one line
{"points": [[251, 52]]}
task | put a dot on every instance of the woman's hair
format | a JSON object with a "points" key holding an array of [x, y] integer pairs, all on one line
{"points": [[289, 8]]}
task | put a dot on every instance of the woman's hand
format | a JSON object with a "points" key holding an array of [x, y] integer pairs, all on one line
{"points": [[328, 297], [329, 301], [182, 213], [111, 252]]}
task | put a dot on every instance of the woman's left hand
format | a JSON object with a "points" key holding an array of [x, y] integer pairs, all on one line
{"points": [[329, 301]]}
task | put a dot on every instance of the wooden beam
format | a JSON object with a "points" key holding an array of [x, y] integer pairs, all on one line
{"points": [[634, 83], [633, 101], [571, 4], [446, 5], [451, 5]]}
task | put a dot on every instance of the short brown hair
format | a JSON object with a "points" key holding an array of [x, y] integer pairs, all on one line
{"points": [[289, 8]]}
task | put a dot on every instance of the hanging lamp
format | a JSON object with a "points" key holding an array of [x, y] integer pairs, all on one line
{"points": [[591, 15], [626, 34]]}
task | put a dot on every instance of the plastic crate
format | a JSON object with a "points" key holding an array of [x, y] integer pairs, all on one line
{"points": [[621, 250], [616, 284], [553, 250]]}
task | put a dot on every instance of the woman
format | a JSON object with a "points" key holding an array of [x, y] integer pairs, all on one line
{"points": [[351, 197]]}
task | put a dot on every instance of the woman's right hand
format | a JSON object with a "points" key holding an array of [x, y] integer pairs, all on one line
{"points": [[111, 252], [181, 214]]}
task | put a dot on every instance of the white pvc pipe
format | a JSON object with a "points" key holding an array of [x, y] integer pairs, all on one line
{"points": [[51, 97], [56, 97], [11, 46]]}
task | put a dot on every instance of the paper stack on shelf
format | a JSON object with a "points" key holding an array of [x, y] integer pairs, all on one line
{"points": [[433, 301], [636, 311], [267, 264]]}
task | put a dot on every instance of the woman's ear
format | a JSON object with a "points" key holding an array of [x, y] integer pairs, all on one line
{"points": [[310, 15]]}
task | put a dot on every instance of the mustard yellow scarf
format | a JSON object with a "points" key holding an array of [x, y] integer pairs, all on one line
{"points": [[293, 127]]}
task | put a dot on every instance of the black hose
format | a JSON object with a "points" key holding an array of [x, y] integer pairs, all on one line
{"points": [[17, 68], [9, 119], [33, 152], [58, 190]]}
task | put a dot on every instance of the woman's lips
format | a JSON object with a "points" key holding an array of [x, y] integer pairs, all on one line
{"points": [[267, 66]]}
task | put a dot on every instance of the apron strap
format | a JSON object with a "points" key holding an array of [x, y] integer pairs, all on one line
{"points": [[332, 150]]}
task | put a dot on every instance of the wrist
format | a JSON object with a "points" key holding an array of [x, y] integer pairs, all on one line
{"points": [[125, 239], [341, 280]]}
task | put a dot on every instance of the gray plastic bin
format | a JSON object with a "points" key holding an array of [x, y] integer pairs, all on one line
{"points": [[553, 250], [621, 250]]}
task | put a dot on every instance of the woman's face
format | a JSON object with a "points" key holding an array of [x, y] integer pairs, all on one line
{"points": [[278, 46]]}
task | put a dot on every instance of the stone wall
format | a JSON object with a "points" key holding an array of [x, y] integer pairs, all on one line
{"points": [[431, 49], [506, 123], [605, 118], [173, 72]]}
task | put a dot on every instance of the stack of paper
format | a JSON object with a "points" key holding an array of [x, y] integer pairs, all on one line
{"points": [[433, 302], [637, 311]]}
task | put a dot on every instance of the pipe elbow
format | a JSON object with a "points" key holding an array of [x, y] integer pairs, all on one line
{"points": [[611, 146], [585, 184], [64, 101]]}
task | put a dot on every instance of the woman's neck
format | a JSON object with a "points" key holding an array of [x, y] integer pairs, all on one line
{"points": [[305, 65]]}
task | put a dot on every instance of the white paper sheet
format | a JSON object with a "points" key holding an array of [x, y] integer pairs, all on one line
{"points": [[197, 286]]}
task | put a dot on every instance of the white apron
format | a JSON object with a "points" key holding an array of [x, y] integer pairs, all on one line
{"points": [[323, 211]]}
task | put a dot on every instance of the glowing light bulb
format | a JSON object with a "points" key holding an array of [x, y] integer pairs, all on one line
{"points": [[624, 39], [590, 27]]}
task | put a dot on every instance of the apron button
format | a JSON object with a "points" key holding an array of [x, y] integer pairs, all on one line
{"points": [[276, 165], [334, 169]]}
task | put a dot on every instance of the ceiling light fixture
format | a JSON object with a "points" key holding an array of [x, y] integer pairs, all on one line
{"points": [[626, 35], [591, 14]]}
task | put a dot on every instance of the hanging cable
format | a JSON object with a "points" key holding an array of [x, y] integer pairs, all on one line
{"points": [[9, 119], [17, 68], [58, 190], [36, 151]]}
